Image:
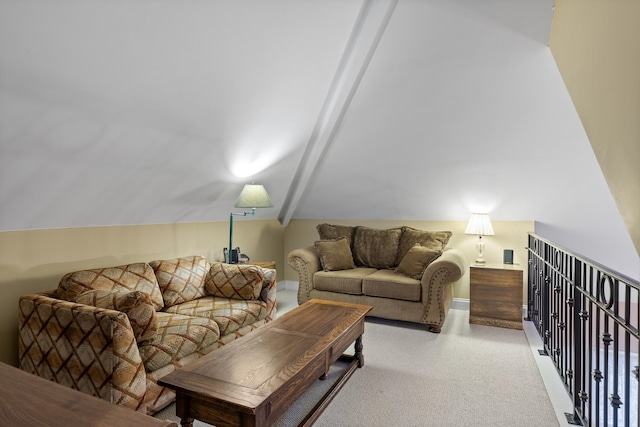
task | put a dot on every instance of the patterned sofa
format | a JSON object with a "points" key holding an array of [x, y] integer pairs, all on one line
{"points": [[403, 273], [113, 332]]}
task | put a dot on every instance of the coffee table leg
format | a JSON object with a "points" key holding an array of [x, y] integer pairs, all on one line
{"points": [[182, 410], [358, 353]]}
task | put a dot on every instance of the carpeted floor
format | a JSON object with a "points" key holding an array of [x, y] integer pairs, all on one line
{"points": [[469, 375]]}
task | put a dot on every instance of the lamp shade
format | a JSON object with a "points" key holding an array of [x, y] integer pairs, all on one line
{"points": [[480, 225], [254, 196]]}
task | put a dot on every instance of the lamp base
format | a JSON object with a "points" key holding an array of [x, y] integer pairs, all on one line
{"points": [[480, 248], [235, 256]]}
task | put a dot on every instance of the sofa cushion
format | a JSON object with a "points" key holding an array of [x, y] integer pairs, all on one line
{"points": [[229, 314], [376, 248], [178, 336], [344, 281], [237, 281], [389, 284], [133, 277], [416, 260], [135, 304], [181, 279], [335, 254], [436, 240], [331, 231]]}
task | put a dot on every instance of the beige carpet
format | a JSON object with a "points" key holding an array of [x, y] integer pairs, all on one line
{"points": [[469, 375]]}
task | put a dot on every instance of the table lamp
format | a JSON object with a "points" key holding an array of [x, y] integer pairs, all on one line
{"points": [[479, 224]]}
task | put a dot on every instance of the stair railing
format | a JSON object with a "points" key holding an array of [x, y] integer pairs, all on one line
{"points": [[587, 317]]}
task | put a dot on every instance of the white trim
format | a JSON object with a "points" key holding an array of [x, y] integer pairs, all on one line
{"points": [[460, 304], [287, 284]]}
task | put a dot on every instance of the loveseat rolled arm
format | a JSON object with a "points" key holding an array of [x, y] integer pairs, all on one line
{"points": [[306, 263], [437, 286], [83, 347]]}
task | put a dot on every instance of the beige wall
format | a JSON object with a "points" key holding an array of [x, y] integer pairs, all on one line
{"points": [[596, 44], [508, 235], [35, 260]]}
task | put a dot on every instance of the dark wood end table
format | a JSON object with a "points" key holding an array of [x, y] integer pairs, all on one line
{"points": [[495, 294]]}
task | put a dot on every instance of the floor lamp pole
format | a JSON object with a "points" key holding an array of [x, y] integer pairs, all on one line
{"points": [[230, 253]]}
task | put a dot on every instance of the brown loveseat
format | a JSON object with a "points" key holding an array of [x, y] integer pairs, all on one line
{"points": [[403, 273], [113, 332]]}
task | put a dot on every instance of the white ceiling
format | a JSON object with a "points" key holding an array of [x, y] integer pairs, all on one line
{"points": [[138, 111]]}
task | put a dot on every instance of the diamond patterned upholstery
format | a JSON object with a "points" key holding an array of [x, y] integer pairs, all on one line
{"points": [[135, 304], [178, 336], [229, 314], [133, 277], [236, 281], [181, 279], [94, 349], [87, 348]]}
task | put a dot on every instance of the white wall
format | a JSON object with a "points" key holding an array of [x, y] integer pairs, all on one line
{"points": [[137, 112]]}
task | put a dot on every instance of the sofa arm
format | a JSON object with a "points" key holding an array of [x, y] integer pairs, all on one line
{"points": [[437, 286], [306, 262], [268, 293], [83, 347]]}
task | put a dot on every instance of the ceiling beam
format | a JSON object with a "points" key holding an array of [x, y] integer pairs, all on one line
{"points": [[368, 29]]}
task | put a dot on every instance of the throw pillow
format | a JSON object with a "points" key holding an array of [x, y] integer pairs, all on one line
{"points": [[332, 232], [236, 281], [181, 279], [131, 277], [335, 254], [436, 240], [135, 304], [376, 248], [416, 261]]}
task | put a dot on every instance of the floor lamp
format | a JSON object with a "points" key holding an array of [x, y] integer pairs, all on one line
{"points": [[252, 196]]}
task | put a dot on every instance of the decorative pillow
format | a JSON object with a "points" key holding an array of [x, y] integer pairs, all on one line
{"points": [[335, 254], [376, 248], [435, 240], [135, 304], [181, 279], [132, 277], [416, 261], [332, 232], [237, 281]]}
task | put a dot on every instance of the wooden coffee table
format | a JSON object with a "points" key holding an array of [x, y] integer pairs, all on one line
{"points": [[252, 381]]}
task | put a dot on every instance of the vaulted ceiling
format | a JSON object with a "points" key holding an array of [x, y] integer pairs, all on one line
{"points": [[140, 111]]}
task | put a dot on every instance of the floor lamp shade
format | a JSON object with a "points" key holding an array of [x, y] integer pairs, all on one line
{"points": [[480, 225], [252, 196]]}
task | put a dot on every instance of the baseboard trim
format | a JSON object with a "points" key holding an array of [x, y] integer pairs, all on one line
{"points": [[287, 284], [460, 304]]}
